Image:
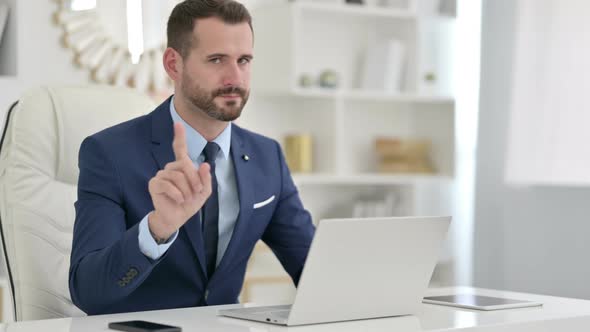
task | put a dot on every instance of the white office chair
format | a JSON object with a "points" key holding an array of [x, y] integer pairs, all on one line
{"points": [[38, 177]]}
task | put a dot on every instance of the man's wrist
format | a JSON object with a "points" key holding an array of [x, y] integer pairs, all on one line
{"points": [[159, 237], [159, 240]]}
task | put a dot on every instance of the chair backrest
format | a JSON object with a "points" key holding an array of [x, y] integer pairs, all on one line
{"points": [[38, 177]]}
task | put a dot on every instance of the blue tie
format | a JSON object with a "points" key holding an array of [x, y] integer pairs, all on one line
{"points": [[210, 212]]}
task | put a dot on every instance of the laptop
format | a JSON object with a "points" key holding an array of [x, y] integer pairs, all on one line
{"points": [[360, 268]]}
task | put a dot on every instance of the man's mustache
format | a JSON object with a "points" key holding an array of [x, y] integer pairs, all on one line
{"points": [[230, 90]]}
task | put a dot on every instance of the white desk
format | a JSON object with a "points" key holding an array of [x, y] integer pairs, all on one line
{"points": [[557, 314]]}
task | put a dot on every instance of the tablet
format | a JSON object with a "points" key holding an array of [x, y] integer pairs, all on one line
{"points": [[478, 302]]}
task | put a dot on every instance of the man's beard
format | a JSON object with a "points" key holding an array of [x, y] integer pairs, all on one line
{"points": [[205, 101]]}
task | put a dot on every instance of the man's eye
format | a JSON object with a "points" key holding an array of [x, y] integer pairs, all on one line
{"points": [[243, 61], [215, 60]]}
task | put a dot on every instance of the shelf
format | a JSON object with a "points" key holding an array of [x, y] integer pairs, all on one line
{"points": [[368, 179], [361, 11], [359, 95]]}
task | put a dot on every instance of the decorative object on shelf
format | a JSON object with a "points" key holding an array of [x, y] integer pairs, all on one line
{"points": [[306, 81], [329, 79], [119, 42], [384, 66], [3, 19], [397, 155], [430, 83], [430, 77], [356, 2], [299, 152]]}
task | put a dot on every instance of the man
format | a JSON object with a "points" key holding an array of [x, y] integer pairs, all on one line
{"points": [[171, 204]]}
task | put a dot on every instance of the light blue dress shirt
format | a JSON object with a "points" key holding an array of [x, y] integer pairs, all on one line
{"points": [[229, 204]]}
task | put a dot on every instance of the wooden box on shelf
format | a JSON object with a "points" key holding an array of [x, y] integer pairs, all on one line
{"points": [[396, 155]]}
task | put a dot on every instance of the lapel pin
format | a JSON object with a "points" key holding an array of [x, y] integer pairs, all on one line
{"points": [[245, 157]]}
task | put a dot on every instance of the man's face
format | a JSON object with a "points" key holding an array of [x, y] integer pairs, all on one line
{"points": [[216, 73]]}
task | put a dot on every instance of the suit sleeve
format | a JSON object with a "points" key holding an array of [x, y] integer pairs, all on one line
{"points": [[106, 263], [291, 229]]}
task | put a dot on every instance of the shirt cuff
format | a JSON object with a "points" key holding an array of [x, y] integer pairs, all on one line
{"points": [[147, 244]]}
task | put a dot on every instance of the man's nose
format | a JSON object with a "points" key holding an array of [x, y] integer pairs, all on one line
{"points": [[232, 75]]}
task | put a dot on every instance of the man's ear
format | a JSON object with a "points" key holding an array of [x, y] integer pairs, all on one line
{"points": [[172, 64]]}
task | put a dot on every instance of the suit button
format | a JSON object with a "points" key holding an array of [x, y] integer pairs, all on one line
{"points": [[131, 273]]}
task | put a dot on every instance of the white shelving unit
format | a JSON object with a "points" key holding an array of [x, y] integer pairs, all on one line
{"points": [[306, 37], [303, 37]]}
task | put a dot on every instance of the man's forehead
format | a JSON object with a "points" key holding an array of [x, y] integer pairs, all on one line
{"points": [[211, 31]]}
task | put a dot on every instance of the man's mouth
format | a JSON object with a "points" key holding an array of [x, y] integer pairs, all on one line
{"points": [[230, 96]]}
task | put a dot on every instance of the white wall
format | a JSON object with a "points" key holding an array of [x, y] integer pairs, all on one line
{"points": [[533, 239], [8, 41], [40, 58]]}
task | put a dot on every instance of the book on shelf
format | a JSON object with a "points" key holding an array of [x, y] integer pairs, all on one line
{"points": [[3, 19], [384, 66]]}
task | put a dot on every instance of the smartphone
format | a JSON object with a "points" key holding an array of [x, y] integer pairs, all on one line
{"points": [[142, 326]]}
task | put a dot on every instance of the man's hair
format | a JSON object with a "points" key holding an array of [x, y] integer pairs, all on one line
{"points": [[185, 15]]}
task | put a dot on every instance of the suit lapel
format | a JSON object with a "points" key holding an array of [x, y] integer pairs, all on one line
{"points": [[162, 136], [243, 168]]}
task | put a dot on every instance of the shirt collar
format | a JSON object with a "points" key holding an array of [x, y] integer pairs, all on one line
{"points": [[195, 142]]}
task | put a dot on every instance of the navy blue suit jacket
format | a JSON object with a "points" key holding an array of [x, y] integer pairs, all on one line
{"points": [[109, 274]]}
